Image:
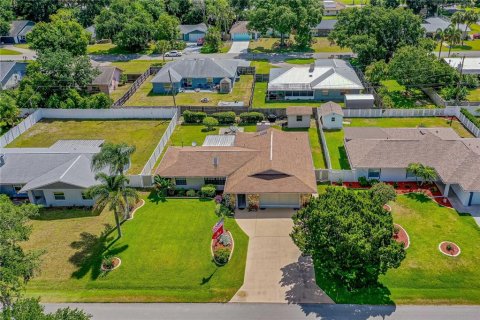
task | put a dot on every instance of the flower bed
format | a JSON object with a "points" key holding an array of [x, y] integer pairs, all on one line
{"points": [[449, 248], [222, 248], [401, 236], [137, 206], [111, 264]]}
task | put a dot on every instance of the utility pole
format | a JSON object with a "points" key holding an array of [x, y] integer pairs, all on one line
{"points": [[460, 78], [173, 88]]}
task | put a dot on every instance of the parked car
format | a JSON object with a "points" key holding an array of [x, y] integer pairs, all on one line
{"points": [[476, 36], [173, 53], [200, 41]]}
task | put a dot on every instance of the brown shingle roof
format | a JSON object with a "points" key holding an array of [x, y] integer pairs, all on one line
{"points": [[329, 108], [239, 27], [455, 160], [106, 75], [299, 111], [269, 162]]}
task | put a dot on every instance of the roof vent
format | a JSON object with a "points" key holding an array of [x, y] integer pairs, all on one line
{"points": [[215, 161], [2, 160], [312, 67]]}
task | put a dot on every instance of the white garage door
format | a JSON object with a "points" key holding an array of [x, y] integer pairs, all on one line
{"points": [[279, 200], [193, 37]]}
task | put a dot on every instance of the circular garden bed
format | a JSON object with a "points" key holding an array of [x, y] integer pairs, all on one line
{"points": [[110, 264], [222, 248], [400, 235], [449, 248]]}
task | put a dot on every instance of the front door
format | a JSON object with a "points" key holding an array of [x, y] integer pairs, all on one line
{"points": [[242, 201]]}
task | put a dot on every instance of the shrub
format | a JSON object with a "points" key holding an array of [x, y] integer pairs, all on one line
{"points": [[396, 230], [395, 185], [221, 255], [223, 211], [471, 117], [218, 199], [225, 240], [210, 123], [382, 193], [193, 117], [225, 117], [208, 191], [449, 247], [363, 182], [251, 117], [191, 193], [181, 192]]}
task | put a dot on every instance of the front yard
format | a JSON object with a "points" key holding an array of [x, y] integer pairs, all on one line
{"points": [[8, 52], [165, 253], [143, 134], [144, 97], [270, 45], [334, 138], [426, 276], [136, 66]]}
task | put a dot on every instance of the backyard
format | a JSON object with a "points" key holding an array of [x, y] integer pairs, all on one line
{"points": [[144, 97], [334, 138], [136, 66], [165, 254], [270, 45], [143, 134], [397, 96], [426, 276]]}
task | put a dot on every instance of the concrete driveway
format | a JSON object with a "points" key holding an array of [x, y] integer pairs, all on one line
{"points": [[276, 272], [239, 47]]}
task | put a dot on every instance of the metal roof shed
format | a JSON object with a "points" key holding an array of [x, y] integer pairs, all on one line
{"points": [[359, 101]]}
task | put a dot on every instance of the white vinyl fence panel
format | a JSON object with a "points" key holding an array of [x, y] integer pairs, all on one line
{"points": [[23, 126], [323, 141], [469, 125]]}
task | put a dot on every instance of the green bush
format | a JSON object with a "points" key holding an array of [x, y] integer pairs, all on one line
{"points": [[181, 192], [471, 117], [208, 191], [225, 117], [382, 193], [210, 123], [191, 193], [363, 182], [251, 117], [221, 255], [193, 117]]}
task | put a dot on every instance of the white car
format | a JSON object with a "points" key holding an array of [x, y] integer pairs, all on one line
{"points": [[173, 53]]}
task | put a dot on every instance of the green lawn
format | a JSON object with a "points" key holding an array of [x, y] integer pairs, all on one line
{"points": [[300, 60], [403, 99], [145, 97], [110, 48], [8, 52], [473, 94], [426, 276], [120, 91], [334, 138], [271, 45], [262, 66], [22, 45], [165, 253], [136, 66], [143, 134]]}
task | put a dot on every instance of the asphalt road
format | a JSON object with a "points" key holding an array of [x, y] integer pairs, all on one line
{"points": [[239, 311]]}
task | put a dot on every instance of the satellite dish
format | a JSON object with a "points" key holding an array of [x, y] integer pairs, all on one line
{"points": [[194, 144]]}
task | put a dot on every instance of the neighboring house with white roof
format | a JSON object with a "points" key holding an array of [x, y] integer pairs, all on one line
{"points": [[107, 81], [193, 32], [200, 73], [469, 66], [11, 73], [332, 8], [18, 32], [432, 24], [331, 115], [385, 153], [53, 176], [325, 80]]}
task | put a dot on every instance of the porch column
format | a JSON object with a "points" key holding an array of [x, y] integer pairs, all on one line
{"points": [[447, 189], [31, 197]]}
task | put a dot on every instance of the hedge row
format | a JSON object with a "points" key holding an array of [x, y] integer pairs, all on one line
{"points": [[251, 117], [223, 117], [471, 117], [227, 117], [193, 117]]}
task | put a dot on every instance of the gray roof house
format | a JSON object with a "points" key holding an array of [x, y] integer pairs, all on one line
{"points": [[53, 176], [324, 28], [11, 73], [107, 81], [385, 154], [325, 80], [18, 32], [432, 24], [193, 32], [199, 73]]}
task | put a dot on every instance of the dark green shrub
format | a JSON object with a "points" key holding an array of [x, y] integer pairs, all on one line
{"points": [[193, 117], [181, 192], [382, 193], [363, 182], [210, 123], [221, 255], [225, 117], [251, 117], [208, 191], [191, 193]]}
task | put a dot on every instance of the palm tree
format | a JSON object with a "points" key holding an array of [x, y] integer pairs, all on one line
{"points": [[414, 168], [453, 36], [469, 18], [163, 185], [115, 157], [112, 192], [440, 36], [457, 18], [428, 174]]}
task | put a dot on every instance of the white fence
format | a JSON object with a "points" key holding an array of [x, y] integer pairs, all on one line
{"points": [[147, 170], [323, 141], [23, 126], [469, 125], [332, 175], [400, 113]]}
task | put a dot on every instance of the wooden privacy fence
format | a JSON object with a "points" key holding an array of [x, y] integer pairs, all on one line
{"points": [[140, 80]]}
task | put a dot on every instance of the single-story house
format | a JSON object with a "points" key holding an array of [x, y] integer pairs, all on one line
{"points": [[331, 115], [18, 32], [432, 24], [359, 101], [53, 176], [11, 73], [299, 117], [193, 32], [240, 32], [384, 154], [268, 169], [470, 65], [199, 73], [324, 28], [332, 8], [107, 81], [325, 80]]}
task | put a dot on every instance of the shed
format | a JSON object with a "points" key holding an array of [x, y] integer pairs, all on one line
{"points": [[225, 85], [331, 115], [359, 101], [299, 117]]}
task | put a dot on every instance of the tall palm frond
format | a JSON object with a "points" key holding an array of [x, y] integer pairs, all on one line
{"points": [[114, 157]]}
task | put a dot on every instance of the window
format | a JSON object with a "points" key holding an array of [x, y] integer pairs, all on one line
{"points": [[325, 92], [167, 86], [374, 173], [85, 196], [181, 181], [333, 119], [209, 80], [215, 181], [189, 82], [299, 118], [59, 195], [17, 188]]}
